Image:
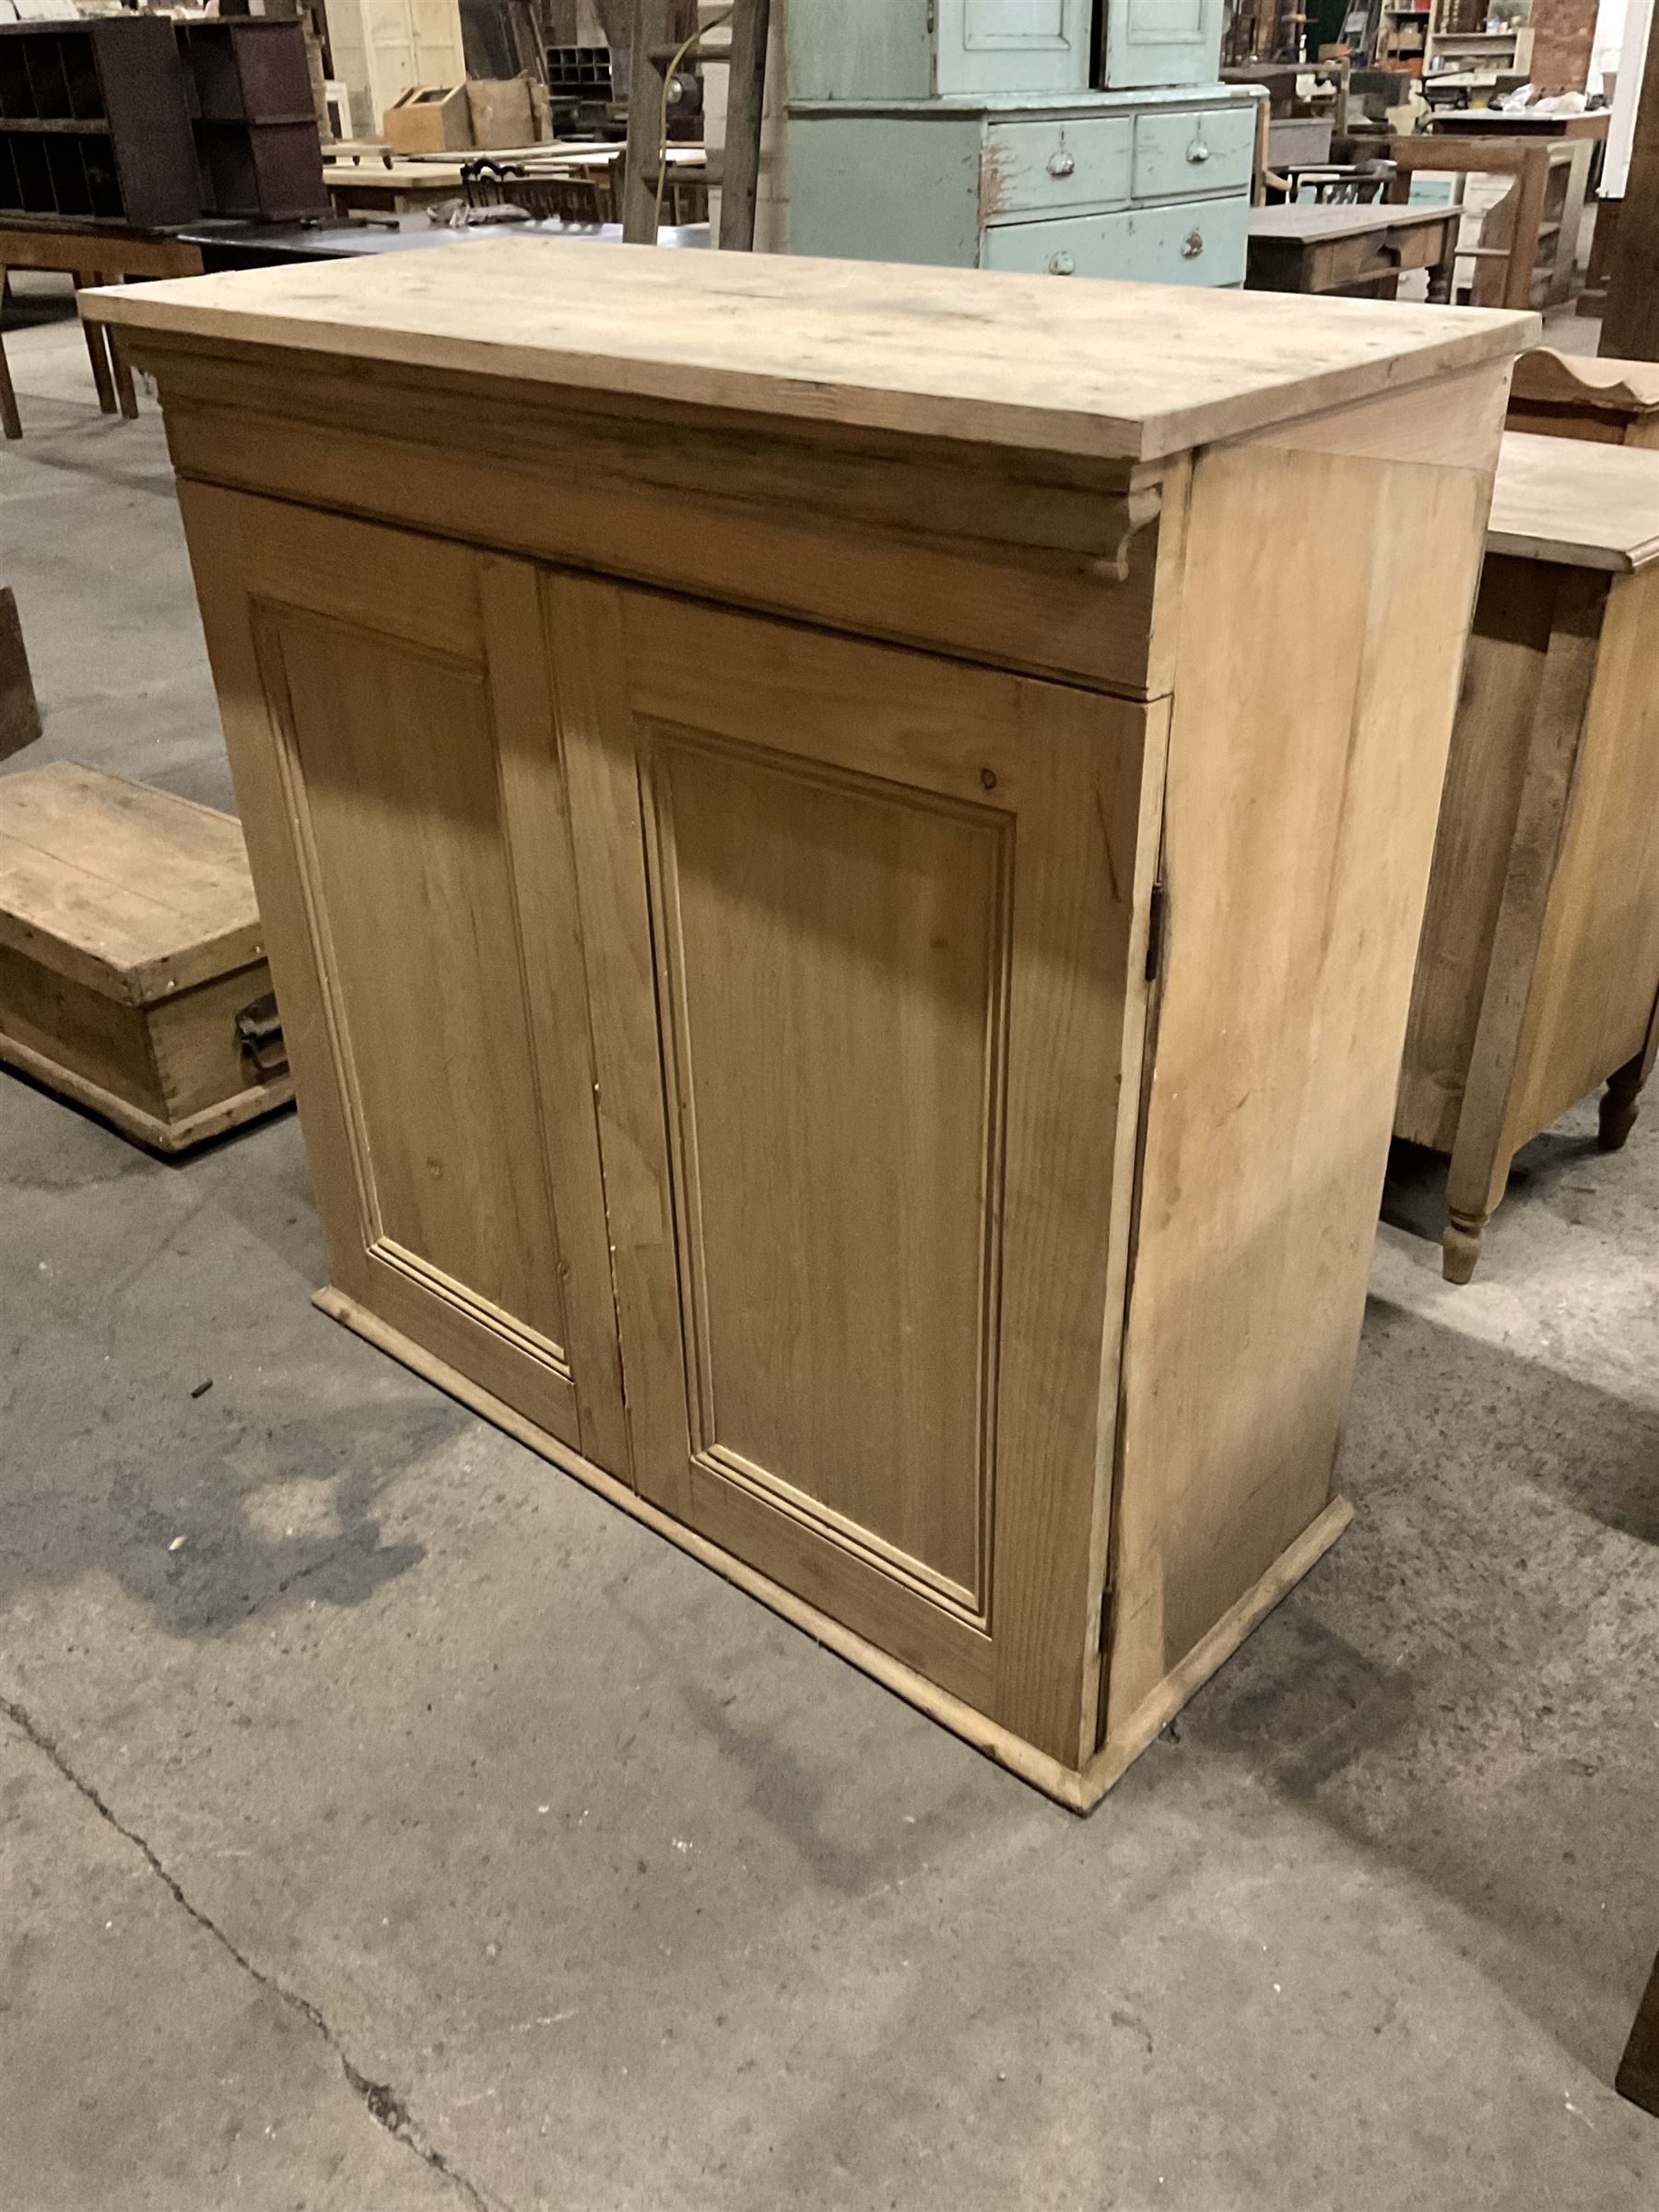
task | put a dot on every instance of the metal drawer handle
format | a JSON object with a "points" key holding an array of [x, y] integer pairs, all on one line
{"points": [[1192, 245], [1062, 264], [1061, 164], [1198, 152]]}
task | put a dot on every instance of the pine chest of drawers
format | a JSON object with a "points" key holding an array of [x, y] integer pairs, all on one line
{"points": [[844, 962]]}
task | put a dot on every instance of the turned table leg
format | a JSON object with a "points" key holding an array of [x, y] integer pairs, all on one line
{"points": [[1618, 1106], [1476, 1184], [10, 420]]}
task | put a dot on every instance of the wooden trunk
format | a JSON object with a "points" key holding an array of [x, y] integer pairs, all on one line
{"points": [[845, 959], [132, 958], [1539, 967]]}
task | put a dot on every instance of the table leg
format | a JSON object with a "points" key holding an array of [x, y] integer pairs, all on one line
{"points": [[11, 422], [1618, 1106], [1530, 186], [98, 352], [123, 368]]}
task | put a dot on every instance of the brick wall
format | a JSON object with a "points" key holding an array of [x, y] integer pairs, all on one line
{"points": [[1563, 36]]}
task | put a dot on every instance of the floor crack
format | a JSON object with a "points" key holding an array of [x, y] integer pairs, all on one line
{"points": [[380, 2100]]}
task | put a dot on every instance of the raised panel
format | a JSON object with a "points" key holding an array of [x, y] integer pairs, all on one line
{"points": [[865, 934], [388, 712], [834, 967], [1011, 45], [402, 804], [1163, 42]]}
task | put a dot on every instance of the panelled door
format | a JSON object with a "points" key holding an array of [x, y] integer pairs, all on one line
{"points": [[1163, 42], [1012, 45], [388, 713], [857, 923]]}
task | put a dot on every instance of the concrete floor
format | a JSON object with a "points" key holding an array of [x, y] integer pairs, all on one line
{"points": [[387, 1823]]}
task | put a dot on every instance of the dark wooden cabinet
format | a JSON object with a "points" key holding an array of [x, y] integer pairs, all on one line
{"points": [[253, 118], [94, 126]]}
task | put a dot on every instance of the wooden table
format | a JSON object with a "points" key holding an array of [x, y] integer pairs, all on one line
{"points": [[91, 252], [410, 183], [1302, 247], [1529, 241], [1523, 122], [1496, 122], [1538, 977], [799, 862]]}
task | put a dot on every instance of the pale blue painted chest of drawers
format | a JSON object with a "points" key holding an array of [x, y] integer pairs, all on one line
{"points": [[1152, 185]]}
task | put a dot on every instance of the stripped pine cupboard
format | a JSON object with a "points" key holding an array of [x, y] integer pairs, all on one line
{"points": [[835, 991]]}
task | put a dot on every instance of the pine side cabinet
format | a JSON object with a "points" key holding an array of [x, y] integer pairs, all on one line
{"points": [[844, 939]]}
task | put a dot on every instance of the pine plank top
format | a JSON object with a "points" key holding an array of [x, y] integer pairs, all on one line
{"points": [[1572, 501], [1311, 220], [1110, 370], [129, 889]]}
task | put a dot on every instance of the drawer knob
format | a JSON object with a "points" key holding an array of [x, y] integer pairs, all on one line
{"points": [[1192, 245], [1062, 264], [1061, 163], [1198, 152]]}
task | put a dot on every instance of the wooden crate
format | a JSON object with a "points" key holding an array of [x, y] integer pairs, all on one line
{"points": [[132, 958]]}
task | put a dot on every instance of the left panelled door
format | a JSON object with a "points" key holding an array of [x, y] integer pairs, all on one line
{"points": [[386, 708]]}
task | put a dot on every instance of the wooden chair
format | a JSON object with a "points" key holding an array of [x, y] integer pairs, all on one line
{"points": [[1331, 184]]}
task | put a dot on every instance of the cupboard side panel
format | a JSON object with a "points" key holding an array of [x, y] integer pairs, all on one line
{"points": [[1305, 764], [1491, 741], [1598, 958]]}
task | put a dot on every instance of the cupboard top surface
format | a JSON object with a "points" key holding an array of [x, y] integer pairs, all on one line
{"points": [[1572, 501], [1110, 370]]}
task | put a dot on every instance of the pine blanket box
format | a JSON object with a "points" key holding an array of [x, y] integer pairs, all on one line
{"points": [[132, 975], [1539, 969], [839, 987]]}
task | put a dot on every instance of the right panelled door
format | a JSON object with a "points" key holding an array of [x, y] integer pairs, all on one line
{"points": [[1161, 42], [860, 982]]}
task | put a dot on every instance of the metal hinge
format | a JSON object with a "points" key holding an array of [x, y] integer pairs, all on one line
{"points": [[1157, 908], [259, 1033]]}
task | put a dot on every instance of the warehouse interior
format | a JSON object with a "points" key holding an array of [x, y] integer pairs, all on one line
{"points": [[393, 1811]]}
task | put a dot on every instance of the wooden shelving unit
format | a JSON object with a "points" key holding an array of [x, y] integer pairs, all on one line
{"points": [[1506, 53], [94, 127], [253, 118], [1402, 38]]}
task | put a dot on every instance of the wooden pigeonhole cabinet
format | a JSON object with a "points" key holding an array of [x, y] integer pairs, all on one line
{"points": [[845, 959]]}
